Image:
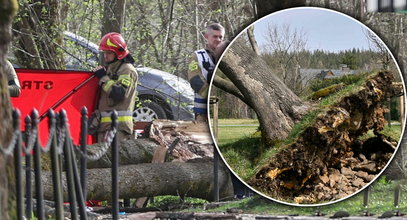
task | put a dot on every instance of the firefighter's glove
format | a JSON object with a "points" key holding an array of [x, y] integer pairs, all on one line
{"points": [[100, 72], [117, 93]]}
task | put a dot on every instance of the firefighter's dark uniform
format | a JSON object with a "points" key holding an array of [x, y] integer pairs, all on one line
{"points": [[200, 71], [118, 93], [13, 83]]}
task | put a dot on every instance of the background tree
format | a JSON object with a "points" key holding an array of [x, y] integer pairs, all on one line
{"points": [[383, 55], [350, 60], [276, 106], [39, 34], [113, 16], [8, 9], [285, 45], [252, 40]]}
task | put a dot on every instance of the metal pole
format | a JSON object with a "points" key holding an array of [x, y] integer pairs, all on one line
{"points": [[84, 134], [397, 196], [69, 94], [215, 174], [17, 166], [389, 122], [214, 102], [68, 168], [56, 169], [78, 186], [366, 193], [215, 120], [37, 169], [402, 112], [28, 177], [115, 169]]}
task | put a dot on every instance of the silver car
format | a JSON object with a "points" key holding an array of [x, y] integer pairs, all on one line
{"points": [[161, 95]]}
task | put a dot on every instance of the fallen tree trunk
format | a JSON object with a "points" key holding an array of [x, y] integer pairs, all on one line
{"points": [[184, 140], [193, 179], [131, 152], [328, 161]]}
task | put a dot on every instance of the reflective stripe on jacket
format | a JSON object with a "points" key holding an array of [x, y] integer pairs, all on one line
{"points": [[122, 116]]}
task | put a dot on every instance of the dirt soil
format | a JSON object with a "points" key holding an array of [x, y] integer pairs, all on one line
{"points": [[328, 161]]}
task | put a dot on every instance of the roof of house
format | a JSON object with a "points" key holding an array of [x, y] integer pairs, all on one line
{"points": [[309, 74]]}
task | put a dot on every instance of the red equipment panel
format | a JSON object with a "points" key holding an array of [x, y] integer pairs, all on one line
{"points": [[42, 89]]}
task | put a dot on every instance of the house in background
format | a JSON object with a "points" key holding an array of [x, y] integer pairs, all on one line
{"points": [[307, 75]]}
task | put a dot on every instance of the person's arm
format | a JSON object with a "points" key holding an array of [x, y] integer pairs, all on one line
{"points": [[13, 82], [119, 87], [195, 78]]}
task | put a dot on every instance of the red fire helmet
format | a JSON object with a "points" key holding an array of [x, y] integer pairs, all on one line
{"points": [[114, 42]]}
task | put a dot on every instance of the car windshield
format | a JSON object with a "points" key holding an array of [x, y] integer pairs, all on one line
{"points": [[80, 54]]}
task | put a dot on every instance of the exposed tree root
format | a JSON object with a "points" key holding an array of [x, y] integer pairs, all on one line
{"points": [[328, 161]]}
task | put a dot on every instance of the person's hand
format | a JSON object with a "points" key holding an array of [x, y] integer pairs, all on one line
{"points": [[100, 71]]}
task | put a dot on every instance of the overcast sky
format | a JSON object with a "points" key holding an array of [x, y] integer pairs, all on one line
{"points": [[325, 30]]}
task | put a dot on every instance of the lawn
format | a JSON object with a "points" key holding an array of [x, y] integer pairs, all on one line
{"points": [[239, 144], [381, 200], [231, 130]]}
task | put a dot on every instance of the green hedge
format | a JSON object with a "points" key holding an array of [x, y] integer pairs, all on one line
{"points": [[318, 84]]}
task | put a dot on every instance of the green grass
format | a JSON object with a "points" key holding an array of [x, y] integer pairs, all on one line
{"points": [[346, 79], [393, 131], [232, 134], [381, 200], [237, 121]]}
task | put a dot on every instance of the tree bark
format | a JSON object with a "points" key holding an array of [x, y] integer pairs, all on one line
{"points": [[182, 141], [276, 106], [142, 151], [131, 152], [8, 8], [193, 179], [229, 87]]}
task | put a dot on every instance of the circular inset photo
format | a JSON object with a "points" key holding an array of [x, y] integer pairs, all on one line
{"points": [[311, 106]]}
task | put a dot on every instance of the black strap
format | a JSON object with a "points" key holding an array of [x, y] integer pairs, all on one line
{"points": [[205, 63]]}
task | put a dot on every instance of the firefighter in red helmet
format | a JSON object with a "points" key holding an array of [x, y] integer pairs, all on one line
{"points": [[118, 81]]}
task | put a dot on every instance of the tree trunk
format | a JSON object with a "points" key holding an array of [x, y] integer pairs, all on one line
{"points": [[131, 152], [252, 40], [276, 106], [8, 8], [193, 179], [113, 16], [397, 168], [142, 151]]}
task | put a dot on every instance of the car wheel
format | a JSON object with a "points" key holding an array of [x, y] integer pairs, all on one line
{"points": [[149, 111]]}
